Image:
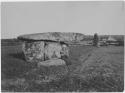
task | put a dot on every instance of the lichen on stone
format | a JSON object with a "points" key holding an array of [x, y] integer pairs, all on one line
{"points": [[38, 51], [34, 51]]}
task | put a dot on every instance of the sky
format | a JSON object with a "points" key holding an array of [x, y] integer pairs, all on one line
{"points": [[86, 17]]}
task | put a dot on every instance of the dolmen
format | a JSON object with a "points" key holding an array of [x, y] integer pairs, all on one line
{"points": [[50, 51], [43, 47]]}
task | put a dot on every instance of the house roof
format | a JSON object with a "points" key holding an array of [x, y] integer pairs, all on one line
{"points": [[110, 38]]}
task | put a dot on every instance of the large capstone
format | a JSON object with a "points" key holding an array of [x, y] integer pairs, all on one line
{"points": [[53, 36]]}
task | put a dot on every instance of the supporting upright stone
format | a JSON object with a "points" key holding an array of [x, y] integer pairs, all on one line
{"points": [[34, 51]]}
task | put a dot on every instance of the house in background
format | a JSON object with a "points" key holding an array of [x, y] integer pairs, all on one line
{"points": [[112, 41], [108, 40]]}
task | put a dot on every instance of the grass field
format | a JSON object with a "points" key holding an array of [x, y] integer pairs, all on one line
{"points": [[93, 69]]}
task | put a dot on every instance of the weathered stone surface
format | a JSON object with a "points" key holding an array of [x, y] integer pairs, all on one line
{"points": [[39, 51], [52, 50], [52, 62], [54, 36], [33, 51]]}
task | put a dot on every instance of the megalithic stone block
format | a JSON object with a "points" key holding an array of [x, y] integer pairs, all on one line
{"points": [[41, 50], [34, 51], [52, 50], [47, 46]]}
